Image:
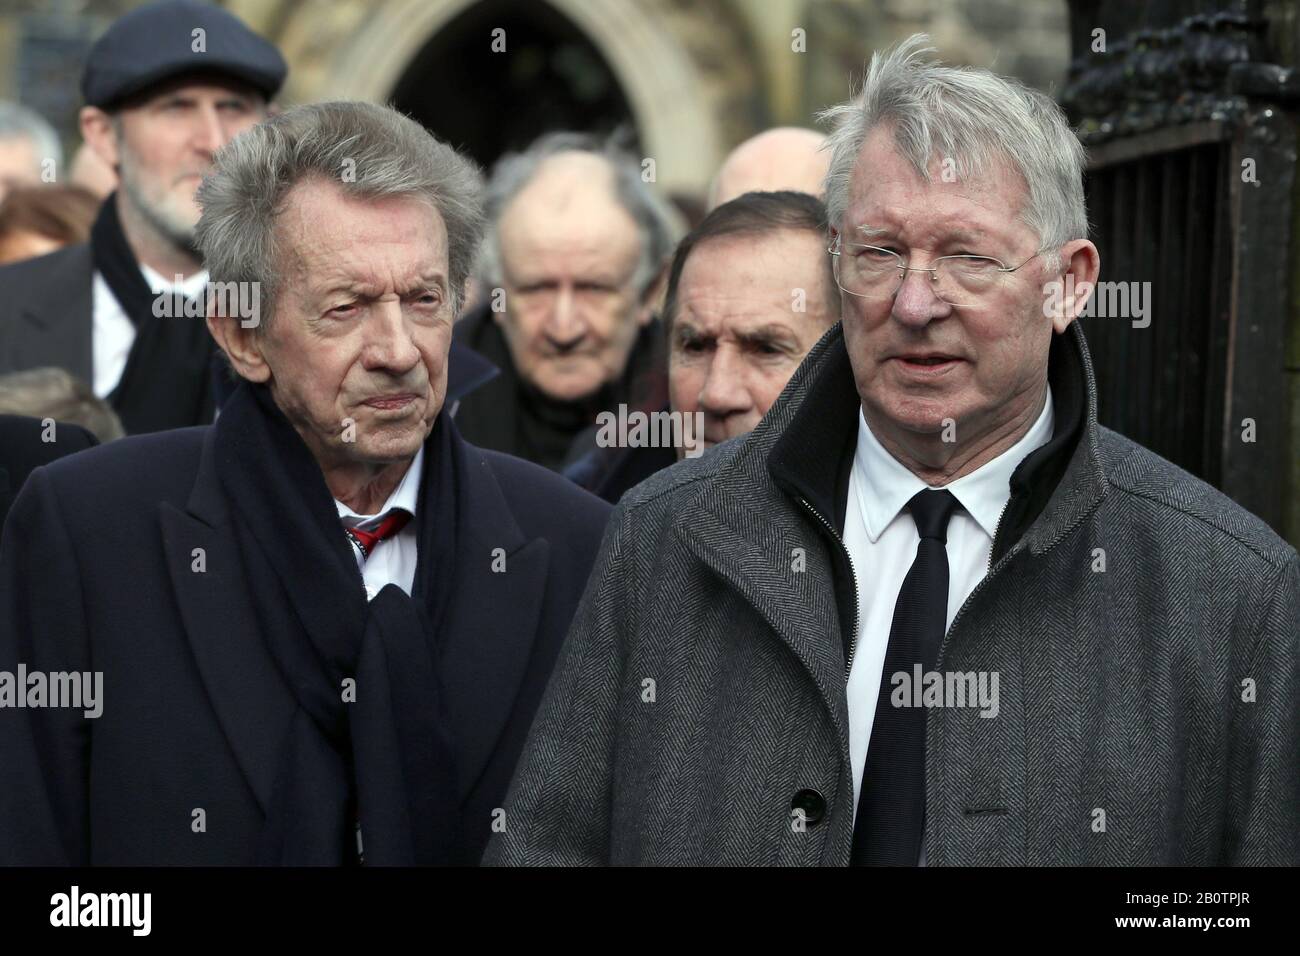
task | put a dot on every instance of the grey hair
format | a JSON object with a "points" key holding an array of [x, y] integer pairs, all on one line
{"points": [[18, 122], [514, 171], [368, 150], [974, 117], [50, 392]]}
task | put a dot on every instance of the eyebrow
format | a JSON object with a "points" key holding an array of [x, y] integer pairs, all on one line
{"points": [[872, 232], [868, 231], [365, 289], [766, 333]]}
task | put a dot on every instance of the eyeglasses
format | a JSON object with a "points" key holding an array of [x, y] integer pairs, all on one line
{"points": [[871, 272]]}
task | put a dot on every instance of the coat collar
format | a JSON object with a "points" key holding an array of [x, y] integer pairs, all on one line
{"points": [[467, 371], [751, 522], [887, 485], [485, 648], [1052, 489]]}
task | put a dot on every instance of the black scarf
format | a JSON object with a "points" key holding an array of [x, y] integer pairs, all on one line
{"points": [[166, 380], [384, 758]]}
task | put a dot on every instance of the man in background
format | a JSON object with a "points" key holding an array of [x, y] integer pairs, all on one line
{"points": [[38, 220], [53, 393], [783, 158], [158, 106], [750, 291], [28, 146], [570, 273]]}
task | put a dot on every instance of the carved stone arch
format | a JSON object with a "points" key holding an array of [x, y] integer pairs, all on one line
{"points": [[689, 70]]}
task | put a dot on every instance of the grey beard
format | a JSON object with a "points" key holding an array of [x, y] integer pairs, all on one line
{"points": [[180, 236]]}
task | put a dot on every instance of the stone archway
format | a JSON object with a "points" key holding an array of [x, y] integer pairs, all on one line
{"points": [[681, 67]]}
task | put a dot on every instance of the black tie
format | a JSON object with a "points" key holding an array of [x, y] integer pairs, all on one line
{"points": [[891, 803]]}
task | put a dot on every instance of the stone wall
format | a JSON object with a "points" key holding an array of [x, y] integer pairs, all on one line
{"points": [[703, 74]]}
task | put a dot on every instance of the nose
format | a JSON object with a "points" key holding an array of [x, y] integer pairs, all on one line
{"points": [[724, 392], [389, 346], [915, 303], [565, 326], [210, 132]]}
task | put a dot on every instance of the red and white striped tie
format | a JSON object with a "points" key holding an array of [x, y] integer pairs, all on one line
{"points": [[365, 541]]}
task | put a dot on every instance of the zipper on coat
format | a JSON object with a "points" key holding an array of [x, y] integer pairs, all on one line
{"points": [[993, 548], [853, 579]]}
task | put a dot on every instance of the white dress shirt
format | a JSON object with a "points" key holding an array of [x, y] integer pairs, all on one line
{"points": [[881, 539], [392, 561], [113, 333]]}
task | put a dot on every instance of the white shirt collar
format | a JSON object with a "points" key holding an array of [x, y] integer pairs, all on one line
{"points": [[404, 496], [885, 485], [188, 287]]}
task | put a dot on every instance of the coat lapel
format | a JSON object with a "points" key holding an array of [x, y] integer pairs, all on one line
{"points": [[252, 702], [489, 629], [57, 329], [783, 571], [491, 626], [746, 526]]}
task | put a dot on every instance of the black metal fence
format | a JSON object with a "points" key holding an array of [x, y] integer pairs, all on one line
{"points": [[1160, 215], [1192, 154]]}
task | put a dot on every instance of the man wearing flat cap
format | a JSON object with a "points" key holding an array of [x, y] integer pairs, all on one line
{"points": [[322, 624], [165, 87]]}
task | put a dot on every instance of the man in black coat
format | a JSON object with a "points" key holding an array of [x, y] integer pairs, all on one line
{"points": [[112, 311], [315, 632]]}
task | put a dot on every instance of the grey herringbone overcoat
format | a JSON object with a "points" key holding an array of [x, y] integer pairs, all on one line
{"points": [[1149, 701]]}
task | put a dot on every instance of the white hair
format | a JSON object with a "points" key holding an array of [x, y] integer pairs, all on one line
{"points": [[514, 171], [367, 150], [972, 116], [18, 122]]}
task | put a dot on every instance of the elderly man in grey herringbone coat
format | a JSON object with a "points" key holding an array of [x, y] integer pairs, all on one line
{"points": [[929, 611]]}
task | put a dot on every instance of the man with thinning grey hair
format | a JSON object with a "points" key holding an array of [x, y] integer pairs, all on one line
{"points": [[29, 148], [325, 622], [569, 277], [929, 611]]}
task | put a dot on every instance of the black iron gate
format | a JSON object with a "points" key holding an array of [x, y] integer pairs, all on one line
{"points": [[1190, 193]]}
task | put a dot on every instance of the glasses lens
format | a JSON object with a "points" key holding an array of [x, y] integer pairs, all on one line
{"points": [[871, 272], [966, 280], [867, 271]]}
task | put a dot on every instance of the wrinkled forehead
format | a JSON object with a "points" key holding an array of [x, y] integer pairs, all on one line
{"points": [[569, 207], [323, 229], [975, 197]]}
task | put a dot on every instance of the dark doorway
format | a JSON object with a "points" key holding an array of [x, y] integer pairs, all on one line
{"points": [[487, 103]]}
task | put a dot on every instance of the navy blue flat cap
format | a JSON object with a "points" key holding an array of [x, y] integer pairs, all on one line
{"points": [[157, 41]]}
